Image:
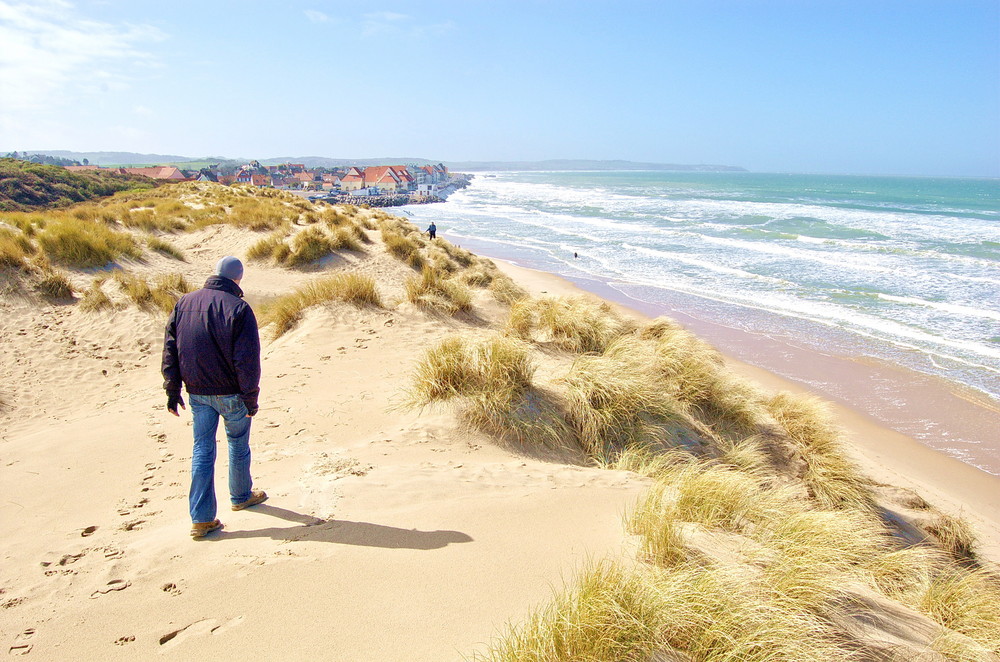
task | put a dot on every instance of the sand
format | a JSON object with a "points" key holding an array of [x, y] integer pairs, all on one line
{"points": [[390, 534]]}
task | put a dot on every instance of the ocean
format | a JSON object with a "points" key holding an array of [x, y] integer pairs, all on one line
{"points": [[898, 272]]}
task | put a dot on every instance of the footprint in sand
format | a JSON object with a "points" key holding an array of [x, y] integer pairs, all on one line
{"points": [[170, 588], [113, 585], [22, 645], [121, 641], [133, 525], [89, 531], [204, 627], [65, 560]]}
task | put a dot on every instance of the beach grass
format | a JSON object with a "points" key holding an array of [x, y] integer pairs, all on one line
{"points": [[165, 248], [432, 289], [85, 244], [95, 299], [616, 399], [573, 324], [15, 248], [833, 480], [285, 312], [55, 285]]}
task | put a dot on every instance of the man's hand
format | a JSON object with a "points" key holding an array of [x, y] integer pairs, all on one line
{"points": [[172, 401], [252, 412]]}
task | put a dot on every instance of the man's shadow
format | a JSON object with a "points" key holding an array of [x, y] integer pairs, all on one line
{"points": [[344, 532]]}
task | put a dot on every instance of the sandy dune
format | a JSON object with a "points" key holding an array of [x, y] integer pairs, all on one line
{"points": [[389, 534]]}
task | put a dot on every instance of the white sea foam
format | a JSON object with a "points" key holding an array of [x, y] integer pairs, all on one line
{"points": [[918, 278]]}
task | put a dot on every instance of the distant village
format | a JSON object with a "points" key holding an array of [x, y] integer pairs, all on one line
{"points": [[377, 186]]}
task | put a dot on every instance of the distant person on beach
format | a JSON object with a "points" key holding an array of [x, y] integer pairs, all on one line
{"points": [[211, 345], [432, 230]]}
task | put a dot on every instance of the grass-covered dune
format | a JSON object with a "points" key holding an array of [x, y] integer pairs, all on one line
{"points": [[25, 186], [754, 536]]}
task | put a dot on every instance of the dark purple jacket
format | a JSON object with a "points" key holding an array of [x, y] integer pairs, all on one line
{"points": [[211, 344]]}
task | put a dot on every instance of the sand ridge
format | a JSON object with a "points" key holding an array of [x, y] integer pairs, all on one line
{"points": [[389, 534]]}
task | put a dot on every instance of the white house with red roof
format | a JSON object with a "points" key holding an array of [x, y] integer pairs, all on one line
{"points": [[384, 177]]}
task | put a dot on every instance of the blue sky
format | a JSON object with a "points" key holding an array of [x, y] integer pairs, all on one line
{"points": [[871, 86]]}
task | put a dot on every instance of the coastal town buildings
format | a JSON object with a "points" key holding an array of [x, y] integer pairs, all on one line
{"points": [[419, 182]]}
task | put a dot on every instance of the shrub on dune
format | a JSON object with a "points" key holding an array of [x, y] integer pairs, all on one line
{"points": [[162, 295], [85, 244], [308, 246], [55, 285], [684, 612], [492, 378], [611, 614], [505, 290], [346, 238], [285, 312], [400, 246], [15, 247], [458, 367], [165, 248], [955, 535], [574, 324], [617, 399], [268, 247], [831, 477], [432, 290], [965, 600], [260, 214], [151, 220], [95, 299]]}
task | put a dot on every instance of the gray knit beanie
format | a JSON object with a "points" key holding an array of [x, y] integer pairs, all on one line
{"points": [[230, 267]]}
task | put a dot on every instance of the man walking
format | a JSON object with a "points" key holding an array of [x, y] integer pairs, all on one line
{"points": [[432, 230], [212, 346]]}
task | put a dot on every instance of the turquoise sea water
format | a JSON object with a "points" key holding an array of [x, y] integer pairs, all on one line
{"points": [[904, 270]]}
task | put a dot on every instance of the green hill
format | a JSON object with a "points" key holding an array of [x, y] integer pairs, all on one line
{"points": [[25, 186]]}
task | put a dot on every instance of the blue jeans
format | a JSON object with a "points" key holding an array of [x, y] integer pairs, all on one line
{"points": [[206, 410]]}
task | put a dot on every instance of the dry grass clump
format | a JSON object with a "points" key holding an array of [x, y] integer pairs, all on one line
{"points": [[505, 290], [612, 614], [272, 247], [285, 312], [955, 535], [492, 378], [574, 324], [433, 290], [403, 248], [831, 477], [459, 367], [681, 613], [697, 376], [55, 285], [95, 299], [162, 295], [308, 246], [964, 600], [15, 247], [336, 216], [85, 244], [617, 399], [260, 214], [151, 219], [165, 248]]}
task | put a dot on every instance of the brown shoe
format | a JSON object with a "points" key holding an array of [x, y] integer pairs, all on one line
{"points": [[256, 496], [201, 529]]}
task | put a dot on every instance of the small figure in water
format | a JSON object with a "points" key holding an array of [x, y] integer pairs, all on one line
{"points": [[432, 230], [575, 255]]}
